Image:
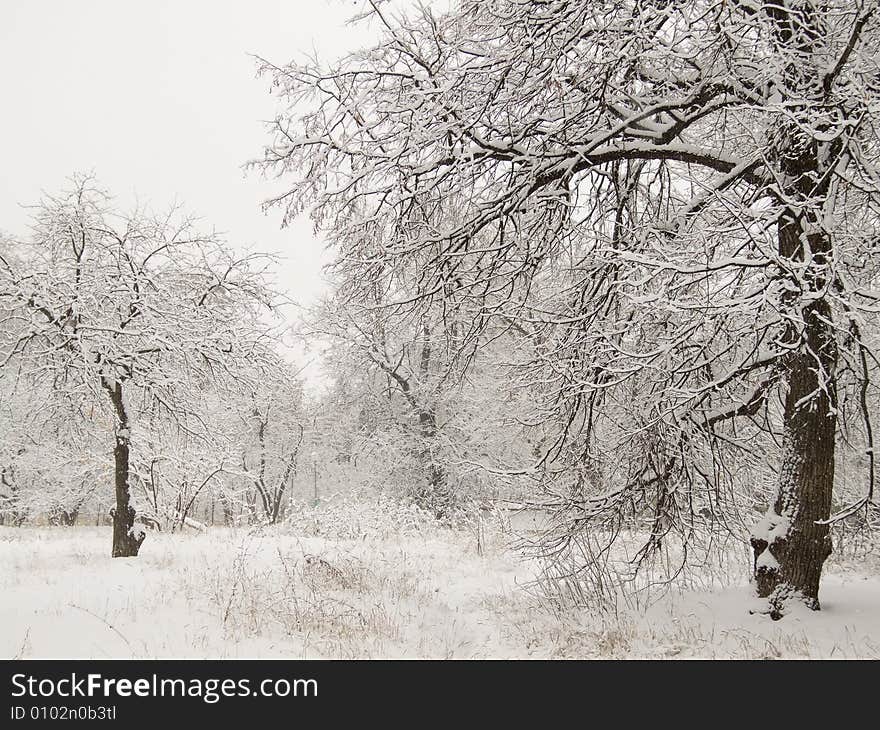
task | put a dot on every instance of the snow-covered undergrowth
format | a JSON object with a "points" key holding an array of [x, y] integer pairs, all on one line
{"points": [[366, 592]]}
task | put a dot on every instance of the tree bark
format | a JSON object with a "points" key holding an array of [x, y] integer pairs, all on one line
{"points": [[127, 539], [792, 542]]}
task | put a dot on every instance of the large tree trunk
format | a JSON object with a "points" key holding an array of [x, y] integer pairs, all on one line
{"points": [[793, 541], [127, 539]]}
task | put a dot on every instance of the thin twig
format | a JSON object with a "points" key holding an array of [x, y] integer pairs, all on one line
{"points": [[118, 632]]}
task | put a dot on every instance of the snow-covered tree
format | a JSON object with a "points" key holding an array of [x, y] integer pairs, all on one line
{"points": [[400, 393], [128, 316], [675, 201], [269, 442]]}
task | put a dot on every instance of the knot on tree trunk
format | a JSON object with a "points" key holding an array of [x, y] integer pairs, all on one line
{"points": [[766, 564], [787, 564], [127, 537]]}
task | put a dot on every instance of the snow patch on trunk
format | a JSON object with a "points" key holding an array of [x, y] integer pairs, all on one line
{"points": [[772, 527]]}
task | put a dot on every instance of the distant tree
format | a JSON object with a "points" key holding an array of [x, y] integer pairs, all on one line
{"points": [[269, 441], [399, 357], [129, 315], [675, 201], [173, 470], [398, 392]]}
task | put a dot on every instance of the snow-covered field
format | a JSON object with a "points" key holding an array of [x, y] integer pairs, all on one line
{"points": [[269, 593]]}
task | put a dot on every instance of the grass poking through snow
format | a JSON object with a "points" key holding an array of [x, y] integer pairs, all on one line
{"points": [[418, 593]]}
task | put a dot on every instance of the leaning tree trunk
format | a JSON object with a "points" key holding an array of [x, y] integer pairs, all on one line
{"points": [[127, 539], [792, 542]]}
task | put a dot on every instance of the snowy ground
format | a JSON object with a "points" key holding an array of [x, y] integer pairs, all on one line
{"points": [[239, 593]]}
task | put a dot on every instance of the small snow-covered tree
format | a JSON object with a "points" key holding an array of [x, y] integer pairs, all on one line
{"points": [[269, 438], [397, 359], [132, 314]]}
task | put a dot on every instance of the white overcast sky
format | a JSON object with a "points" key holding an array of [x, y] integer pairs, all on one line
{"points": [[160, 100]]}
